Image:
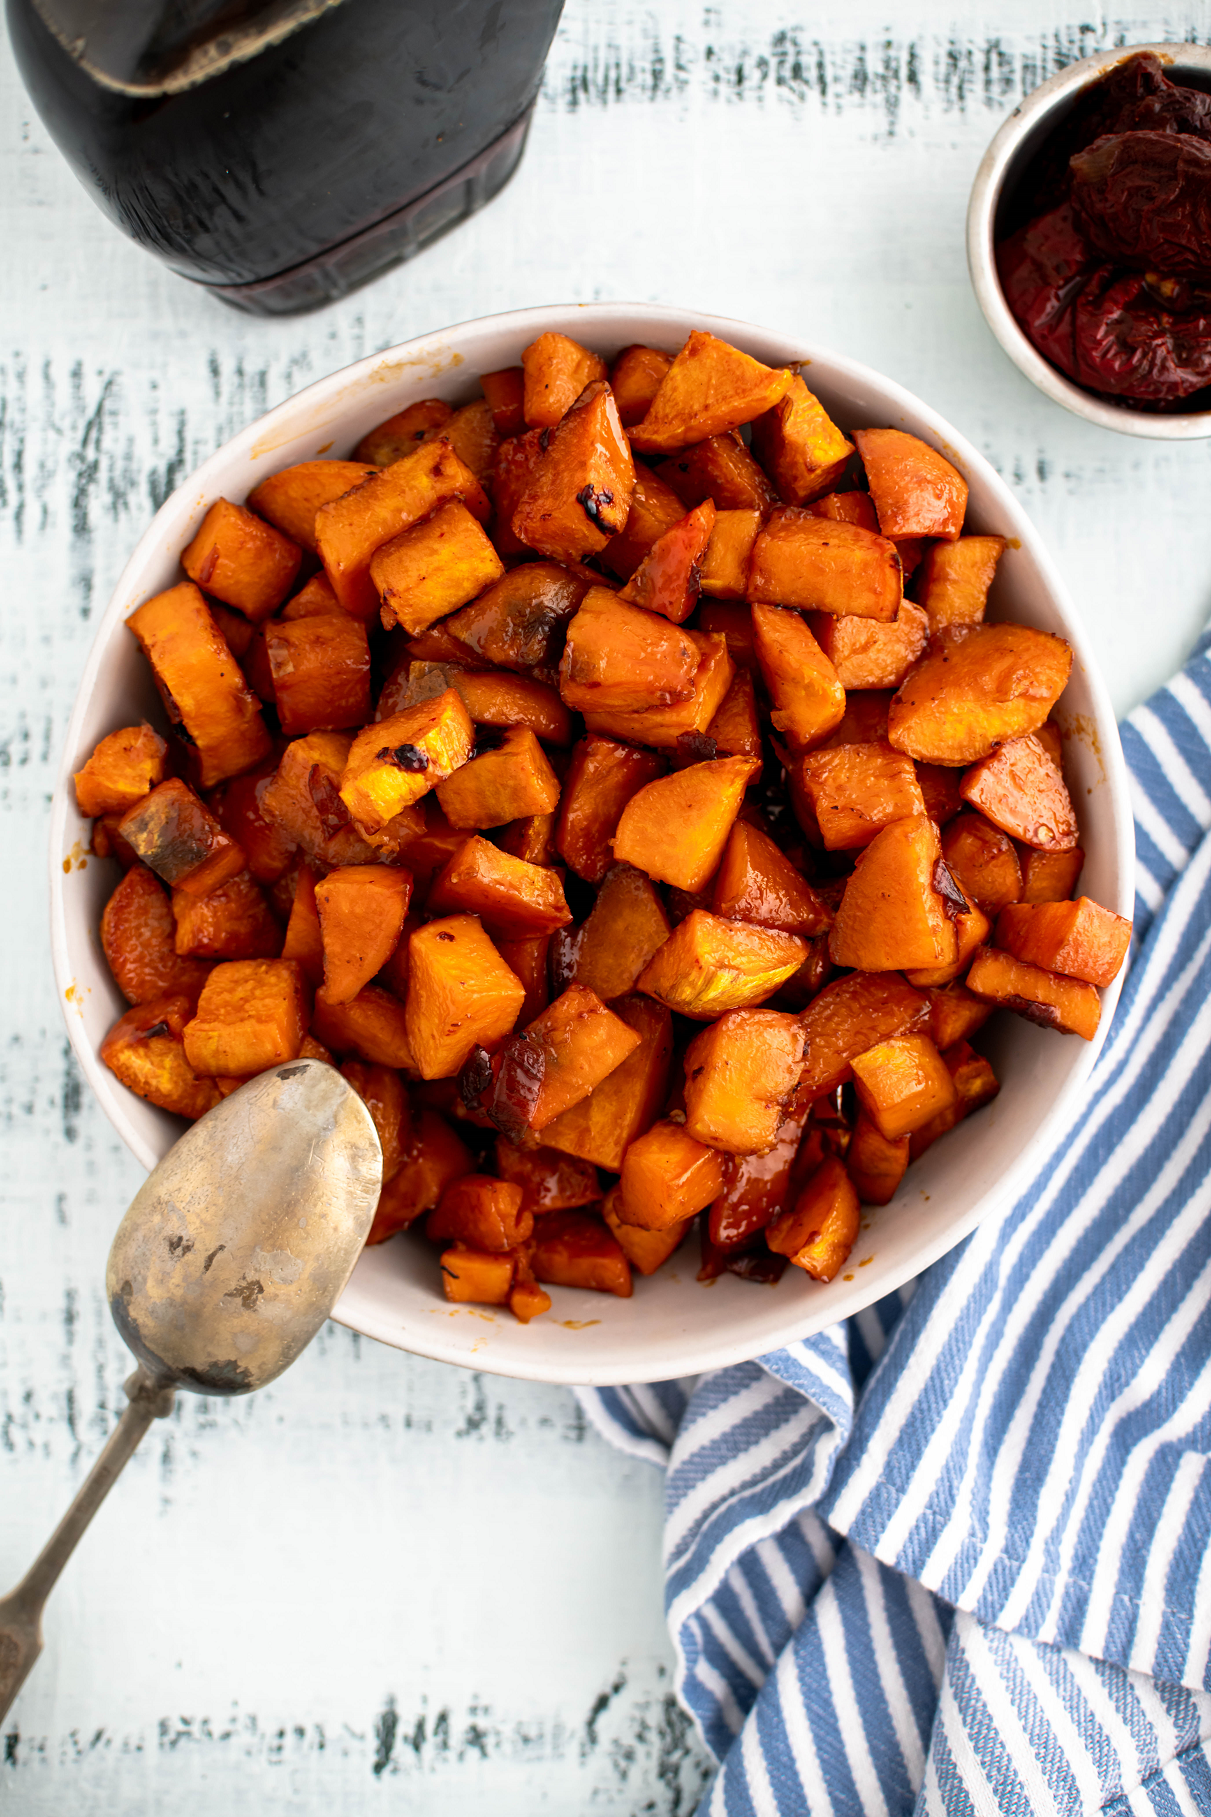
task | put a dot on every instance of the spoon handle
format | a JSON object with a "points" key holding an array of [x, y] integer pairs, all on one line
{"points": [[21, 1609]]}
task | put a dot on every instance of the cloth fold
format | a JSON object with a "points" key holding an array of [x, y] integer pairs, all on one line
{"points": [[951, 1555]]}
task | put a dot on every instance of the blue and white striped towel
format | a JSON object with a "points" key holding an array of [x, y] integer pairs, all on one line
{"points": [[953, 1555]]}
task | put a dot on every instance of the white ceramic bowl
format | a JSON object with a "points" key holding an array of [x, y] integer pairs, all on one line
{"points": [[673, 1325], [1011, 150]]}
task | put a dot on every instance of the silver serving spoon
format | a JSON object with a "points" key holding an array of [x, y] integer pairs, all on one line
{"points": [[230, 1258]]}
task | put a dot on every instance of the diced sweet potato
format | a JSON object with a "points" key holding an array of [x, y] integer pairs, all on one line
{"points": [[176, 836], [978, 686], [865, 721], [572, 1249], [290, 499], [304, 942], [740, 1074], [505, 391], [513, 780], [983, 862], [645, 1250], [626, 926], [819, 1233], [708, 965], [874, 1162], [892, 916], [123, 768], [242, 560], [846, 508], [527, 1300], [954, 1015], [361, 914], [232, 922], [517, 901], [137, 936], [866, 652], [515, 465], [549, 1181], [251, 1014], [473, 435], [581, 1042], [1068, 1005], [461, 995], [755, 1189], [303, 799], [392, 764], [382, 1092], [477, 1277], [601, 1127], [709, 389], [532, 837], [736, 728], [665, 727], [972, 928], [655, 508], [579, 493], [849, 1016], [720, 469], [432, 1157], [757, 883], [321, 674], [146, 1052], [667, 579], [527, 960], [490, 697], [107, 842], [619, 656], [482, 1213], [519, 622], [725, 561], [975, 1084], [433, 567], [236, 804], [555, 371], [816, 565], [635, 378], [667, 1177], [372, 1026], [1080, 939], [601, 779], [1021, 789], [916, 491], [799, 446], [1050, 876], [401, 434], [201, 683], [809, 701], [903, 1084], [954, 579], [675, 829], [940, 788], [858, 789]]}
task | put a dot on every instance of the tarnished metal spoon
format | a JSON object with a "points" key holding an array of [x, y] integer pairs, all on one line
{"points": [[230, 1258]]}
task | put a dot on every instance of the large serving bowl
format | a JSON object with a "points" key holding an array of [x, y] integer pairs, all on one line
{"points": [[673, 1325]]}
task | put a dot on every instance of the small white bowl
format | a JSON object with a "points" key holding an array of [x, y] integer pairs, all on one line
{"points": [[1015, 144], [672, 1326]]}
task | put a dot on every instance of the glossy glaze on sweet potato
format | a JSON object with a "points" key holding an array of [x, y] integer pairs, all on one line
{"points": [[740, 1074], [849, 1016], [893, 917], [1081, 939], [123, 768], [709, 389], [675, 829], [916, 491], [1021, 789], [977, 686], [808, 562], [799, 445]]}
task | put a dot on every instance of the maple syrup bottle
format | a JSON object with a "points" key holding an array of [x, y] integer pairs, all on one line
{"points": [[282, 152]]}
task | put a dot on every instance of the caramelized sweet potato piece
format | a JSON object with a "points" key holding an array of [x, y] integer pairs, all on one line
{"points": [[939, 787], [268, 848], [431, 1158], [242, 560], [655, 508], [720, 469], [232, 922], [892, 916], [978, 686], [482, 1213], [581, 1042], [1080, 939], [846, 508], [645, 1250], [602, 778], [1050, 876], [519, 622], [757, 883], [531, 836], [251, 1014], [400, 434], [477, 1277], [619, 656], [1021, 789], [601, 1127], [667, 579], [290, 499], [572, 1249], [849, 1016], [624, 930], [972, 928], [555, 371], [666, 1178], [548, 1180], [472, 434], [809, 562], [505, 391], [304, 941], [392, 764], [708, 966], [755, 1189], [176, 836], [867, 653], [579, 493], [144, 1049], [983, 862], [1066, 1004], [200, 683], [433, 567], [514, 468], [875, 1163], [954, 1014], [505, 784], [916, 491], [635, 378], [517, 901], [865, 721], [361, 914], [461, 995], [675, 829], [975, 1084], [799, 446], [709, 389], [382, 1092], [665, 727], [725, 561], [321, 674], [137, 936], [123, 768], [736, 728], [858, 789], [954, 579], [491, 698], [527, 1300], [903, 1084], [372, 1026], [303, 800], [809, 701], [740, 1074], [819, 1233]]}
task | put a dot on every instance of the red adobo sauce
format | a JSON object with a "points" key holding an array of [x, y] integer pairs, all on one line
{"points": [[1107, 267]]}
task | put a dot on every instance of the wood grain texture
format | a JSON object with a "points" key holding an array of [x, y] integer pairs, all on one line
{"points": [[382, 1579]]}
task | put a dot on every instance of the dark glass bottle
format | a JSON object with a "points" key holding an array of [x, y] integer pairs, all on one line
{"points": [[282, 152]]}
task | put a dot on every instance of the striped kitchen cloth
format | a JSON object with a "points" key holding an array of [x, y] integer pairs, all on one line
{"points": [[952, 1555]]}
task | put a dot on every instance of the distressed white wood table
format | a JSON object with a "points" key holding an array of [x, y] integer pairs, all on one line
{"points": [[386, 1584]]}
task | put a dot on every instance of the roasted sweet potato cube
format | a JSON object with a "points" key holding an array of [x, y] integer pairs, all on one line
{"points": [[903, 1084], [268, 848], [433, 567], [916, 491], [473, 435], [954, 578], [1050, 876], [505, 784], [304, 942], [514, 468], [505, 392], [176, 836], [531, 837], [619, 656], [573, 1249], [482, 1213], [290, 499], [868, 653], [144, 1049], [361, 911], [527, 1300], [740, 1074], [582, 1042], [251, 1014], [428, 850], [736, 728], [799, 446], [401, 434], [461, 995], [519, 621], [818, 1234], [242, 560], [549, 1181], [601, 779], [709, 389], [849, 1016], [983, 862], [676, 828], [635, 378], [724, 570], [755, 1189], [601, 1127], [858, 789], [555, 371], [232, 922], [1080, 939], [1021, 789], [667, 1177], [303, 800], [321, 674], [477, 1277], [432, 1156], [579, 493], [515, 701], [372, 1026], [624, 930], [975, 1084], [816, 565], [123, 768], [667, 579], [892, 916], [978, 686], [865, 721], [655, 508], [138, 939], [954, 1014], [645, 1250], [720, 469], [527, 960], [874, 1162], [757, 883], [665, 727], [708, 965], [1068, 1005], [392, 764], [972, 928], [517, 901], [201, 683], [107, 842], [940, 788], [846, 508], [809, 701], [382, 1092]]}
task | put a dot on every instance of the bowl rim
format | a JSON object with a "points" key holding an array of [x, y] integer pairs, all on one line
{"points": [[319, 403], [981, 249]]}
